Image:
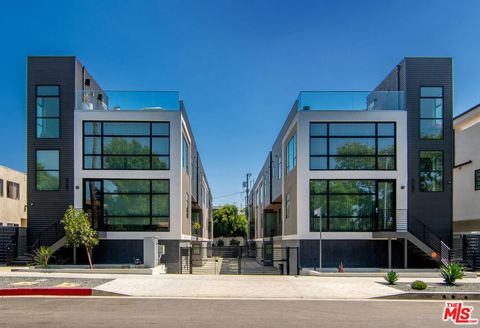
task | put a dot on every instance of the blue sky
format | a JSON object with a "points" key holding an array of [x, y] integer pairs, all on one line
{"points": [[238, 64]]}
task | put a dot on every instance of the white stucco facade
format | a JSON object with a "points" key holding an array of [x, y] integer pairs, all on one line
{"points": [[304, 174], [173, 174]]}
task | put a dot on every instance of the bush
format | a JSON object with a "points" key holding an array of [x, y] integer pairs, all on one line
{"points": [[220, 242], [42, 256], [391, 277], [234, 242], [419, 285], [452, 272]]}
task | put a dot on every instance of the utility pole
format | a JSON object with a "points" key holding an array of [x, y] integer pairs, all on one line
{"points": [[246, 186]]}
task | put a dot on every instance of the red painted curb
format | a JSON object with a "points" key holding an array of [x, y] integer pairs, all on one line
{"points": [[46, 291]]}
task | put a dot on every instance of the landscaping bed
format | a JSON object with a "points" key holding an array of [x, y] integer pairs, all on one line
{"points": [[439, 288]]}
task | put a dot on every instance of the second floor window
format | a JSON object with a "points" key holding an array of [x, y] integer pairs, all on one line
{"points": [[126, 145], [291, 153], [431, 171], [352, 146], [431, 113], [279, 168], [48, 170], [47, 111]]}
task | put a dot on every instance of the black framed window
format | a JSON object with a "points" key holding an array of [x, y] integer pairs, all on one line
{"points": [[1, 188], [353, 146], [352, 205], [128, 205], [13, 190], [279, 167], [185, 153], [47, 113], [187, 205], [126, 145], [47, 170], [431, 113], [431, 171], [477, 180], [291, 153]]}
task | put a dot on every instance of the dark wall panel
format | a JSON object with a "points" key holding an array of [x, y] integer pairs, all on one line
{"points": [[49, 206]]}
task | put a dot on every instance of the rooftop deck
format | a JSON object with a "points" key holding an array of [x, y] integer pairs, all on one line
{"points": [[351, 100], [100, 100]]}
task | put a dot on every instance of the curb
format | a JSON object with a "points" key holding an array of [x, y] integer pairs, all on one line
{"points": [[46, 291]]}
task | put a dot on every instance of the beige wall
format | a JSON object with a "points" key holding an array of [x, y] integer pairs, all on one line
{"points": [[13, 211], [466, 200]]}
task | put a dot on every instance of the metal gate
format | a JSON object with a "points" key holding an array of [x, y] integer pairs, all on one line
{"points": [[235, 260]]}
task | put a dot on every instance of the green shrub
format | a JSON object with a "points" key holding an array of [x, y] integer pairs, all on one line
{"points": [[42, 256], [419, 285], [452, 272], [220, 243], [391, 277]]}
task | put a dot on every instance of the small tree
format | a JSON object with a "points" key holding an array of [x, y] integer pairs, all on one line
{"points": [[78, 231]]}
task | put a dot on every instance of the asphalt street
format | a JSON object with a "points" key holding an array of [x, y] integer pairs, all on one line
{"points": [[154, 312]]}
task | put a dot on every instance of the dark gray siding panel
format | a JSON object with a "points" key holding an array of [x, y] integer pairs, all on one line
{"points": [[49, 206], [434, 209]]}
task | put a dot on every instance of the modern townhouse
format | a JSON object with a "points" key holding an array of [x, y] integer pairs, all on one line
{"points": [[362, 178], [128, 158]]}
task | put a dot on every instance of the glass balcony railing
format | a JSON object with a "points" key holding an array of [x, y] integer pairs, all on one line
{"points": [[351, 100], [99, 100]]}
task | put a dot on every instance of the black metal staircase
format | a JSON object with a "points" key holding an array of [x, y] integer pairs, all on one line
{"points": [[52, 236]]}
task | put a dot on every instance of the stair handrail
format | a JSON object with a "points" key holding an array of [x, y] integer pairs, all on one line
{"points": [[429, 237], [56, 227]]}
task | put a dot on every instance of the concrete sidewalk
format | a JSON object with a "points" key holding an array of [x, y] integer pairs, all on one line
{"points": [[239, 286], [253, 287]]}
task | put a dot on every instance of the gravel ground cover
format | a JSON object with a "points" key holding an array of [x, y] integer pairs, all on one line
{"points": [[39, 282], [440, 287]]}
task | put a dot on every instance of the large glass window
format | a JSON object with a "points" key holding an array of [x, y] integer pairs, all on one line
{"points": [[431, 171], [128, 205], [291, 153], [352, 205], [184, 153], [431, 112], [126, 145], [48, 111], [352, 146], [47, 170]]}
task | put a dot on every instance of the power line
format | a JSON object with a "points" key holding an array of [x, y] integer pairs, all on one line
{"points": [[227, 195]]}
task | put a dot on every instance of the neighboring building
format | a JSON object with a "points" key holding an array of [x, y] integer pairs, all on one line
{"points": [[466, 173], [374, 169], [127, 158], [13, 198]]}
